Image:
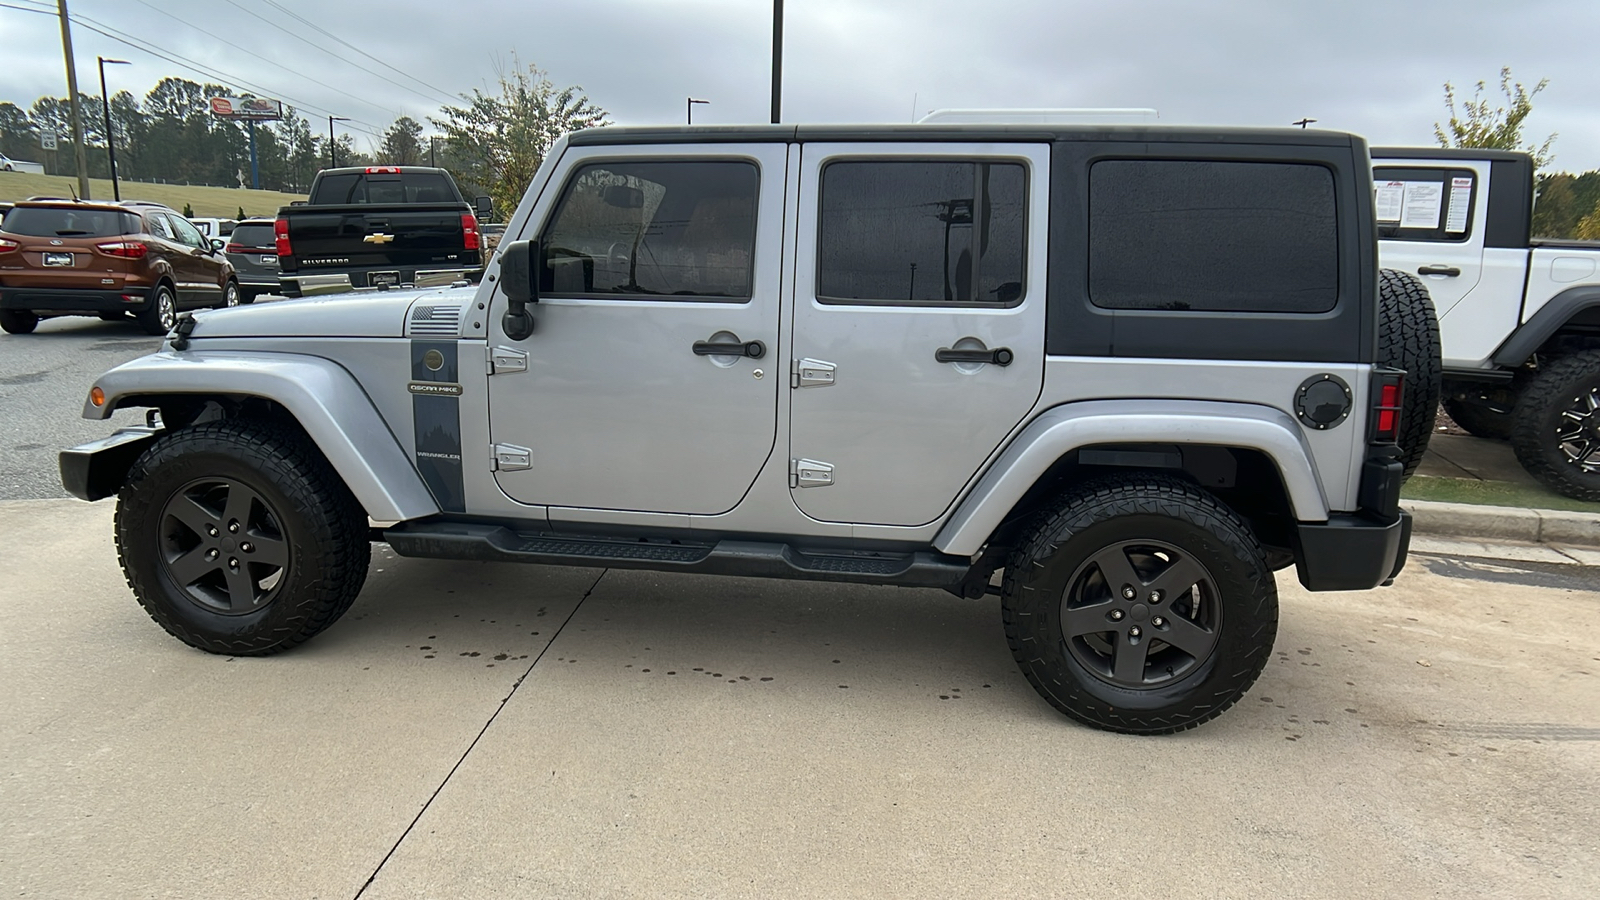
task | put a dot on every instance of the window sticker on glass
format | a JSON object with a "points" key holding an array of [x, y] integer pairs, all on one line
{"points": [[1455, 220], [1390, 196], [1423, 202]]}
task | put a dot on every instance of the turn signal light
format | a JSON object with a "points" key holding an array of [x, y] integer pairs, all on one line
{"points": [[97, 396], [125, 249]]}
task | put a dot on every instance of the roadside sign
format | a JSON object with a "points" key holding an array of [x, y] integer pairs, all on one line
{"points": [[257, 109], [47, 140]]}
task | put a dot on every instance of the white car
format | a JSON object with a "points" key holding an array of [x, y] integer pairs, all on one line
{"points": [[7, 164], [215, 229]]}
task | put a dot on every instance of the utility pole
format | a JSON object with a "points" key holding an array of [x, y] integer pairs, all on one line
{"points": [[777, 60], [72, 98], [333, 162], [111, 140]]}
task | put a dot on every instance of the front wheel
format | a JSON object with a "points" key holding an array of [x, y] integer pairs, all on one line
{"points": [[237, 538], [18, 321], [1140, 604], [1557, 426]]}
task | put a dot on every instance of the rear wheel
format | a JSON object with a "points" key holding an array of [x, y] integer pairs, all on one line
{"points": [[18, 321], [236, 538], [1557, 434], [1140, 604], [1408, 338], [163, 311]]}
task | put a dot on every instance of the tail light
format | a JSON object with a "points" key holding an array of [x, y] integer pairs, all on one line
{"points": [[231, 247], [1387, 396], [8, 246], [280, 237], [469, 231], [124, 249], [383, 170]]}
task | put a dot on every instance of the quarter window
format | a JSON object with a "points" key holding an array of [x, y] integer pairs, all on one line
{"points": [[670, 229], [1211, 235], [922, 232]]}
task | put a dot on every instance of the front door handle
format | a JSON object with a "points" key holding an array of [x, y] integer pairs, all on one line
{"points": [[1452, 271], [752, 349], [1000, 356]]}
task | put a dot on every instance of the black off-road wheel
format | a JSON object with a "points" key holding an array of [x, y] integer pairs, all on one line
{"points": [[1140, 604], [1557, 433], [237, 538], [1408, 338], [18, 321]]}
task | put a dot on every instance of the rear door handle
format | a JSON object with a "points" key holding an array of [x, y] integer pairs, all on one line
{"points": [[752, 349], [1452, 271], [1000, 356]]}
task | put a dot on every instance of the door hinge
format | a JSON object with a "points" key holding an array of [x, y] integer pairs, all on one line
{"points": [[510, 458], [810, 373], [804, 473], [507, 359]]}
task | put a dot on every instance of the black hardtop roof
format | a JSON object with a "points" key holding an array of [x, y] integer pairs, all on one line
{"points": [[1450, 153], [934, 132]]}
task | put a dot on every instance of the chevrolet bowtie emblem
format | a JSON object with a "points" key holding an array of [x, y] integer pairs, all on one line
{"points": [[378, 238]]}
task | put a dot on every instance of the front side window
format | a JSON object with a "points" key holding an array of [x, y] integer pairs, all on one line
{"points": [[922, 232], [187, 233], [670, 229], [159, 227]]}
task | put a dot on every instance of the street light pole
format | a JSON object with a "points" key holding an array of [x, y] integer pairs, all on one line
{"points": [[105, 106], [72, 100], [777, 59], [689, 107], [333, 161]]}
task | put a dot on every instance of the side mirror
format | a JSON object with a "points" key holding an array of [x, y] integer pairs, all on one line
{"points": [[484, 207], [520, 283], [218, 243]]}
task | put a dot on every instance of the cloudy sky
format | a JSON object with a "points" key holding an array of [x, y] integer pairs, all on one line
{"points": [[1375, 67]]}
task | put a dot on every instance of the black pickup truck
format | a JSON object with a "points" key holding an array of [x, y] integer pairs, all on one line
{"points": [[379, 226]]}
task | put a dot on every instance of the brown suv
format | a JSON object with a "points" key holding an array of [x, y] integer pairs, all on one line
{"points": [[71, 258]]}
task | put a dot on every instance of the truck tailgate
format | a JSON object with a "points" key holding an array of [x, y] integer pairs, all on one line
{"points": [[363, 235]]}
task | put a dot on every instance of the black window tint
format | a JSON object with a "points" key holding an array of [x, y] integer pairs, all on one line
{"points": [[252, 236], [385, 187], [60, 222], [904, 231], [1212, 235], [664, 228], [1424, 204]]}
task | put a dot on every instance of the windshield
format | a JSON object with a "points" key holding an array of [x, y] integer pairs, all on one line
{"points": [[68, 222]]}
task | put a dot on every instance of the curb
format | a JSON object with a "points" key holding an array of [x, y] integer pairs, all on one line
{"points": [[1503, 523]]}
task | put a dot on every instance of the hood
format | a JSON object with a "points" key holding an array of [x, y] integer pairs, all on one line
{"points": [[376, 314]]}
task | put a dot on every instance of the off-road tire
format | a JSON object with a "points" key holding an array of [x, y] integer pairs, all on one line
{"points": [[323, 526], [18, 321], [1126, 509], [1479, 420], [155, 319], [1408, 338], [1561, 399]]}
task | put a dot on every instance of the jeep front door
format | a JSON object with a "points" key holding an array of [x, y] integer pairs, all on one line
{"points": [[918, 322], [648, 382]]}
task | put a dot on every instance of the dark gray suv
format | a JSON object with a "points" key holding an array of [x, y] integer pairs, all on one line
{"points": [[255, 257]]}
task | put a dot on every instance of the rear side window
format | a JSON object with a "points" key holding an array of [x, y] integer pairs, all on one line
{"points": [[1215, 236], [658, 228], [253, 236], [67, 222], [922, 232], [1424, 204], [388, 188]]}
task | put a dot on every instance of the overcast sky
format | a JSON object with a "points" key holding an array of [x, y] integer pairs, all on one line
{"points": [[1375, 67]]}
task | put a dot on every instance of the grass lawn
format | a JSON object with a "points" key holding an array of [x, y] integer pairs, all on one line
{"points": [[207, 201], [1489, 493]]}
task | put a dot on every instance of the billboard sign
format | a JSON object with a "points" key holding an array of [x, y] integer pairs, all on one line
{"points": [[257, 109]]}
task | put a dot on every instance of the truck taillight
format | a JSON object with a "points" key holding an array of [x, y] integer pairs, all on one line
{"points": [[469, 231], [280, 237], [124, 249], [383, 170], [1388, 394]]}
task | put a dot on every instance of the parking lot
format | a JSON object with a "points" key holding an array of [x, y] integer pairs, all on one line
{"points": [[477, 730]]}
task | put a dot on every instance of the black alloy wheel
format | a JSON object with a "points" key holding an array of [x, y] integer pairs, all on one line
{"points": [[223, 545], [1557, 433]]}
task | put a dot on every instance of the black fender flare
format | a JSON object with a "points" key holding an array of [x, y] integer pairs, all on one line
{"points": [[1550, 318]]}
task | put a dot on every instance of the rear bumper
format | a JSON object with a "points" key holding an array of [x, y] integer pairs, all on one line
{"points": [[66, 300], [1351, 552], [354, 279]]}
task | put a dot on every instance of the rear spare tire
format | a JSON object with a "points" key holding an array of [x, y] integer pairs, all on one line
{"points": [[1408, 338]]}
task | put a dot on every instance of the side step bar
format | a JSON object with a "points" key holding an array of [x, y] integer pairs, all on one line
{"points": [[495, 543]]}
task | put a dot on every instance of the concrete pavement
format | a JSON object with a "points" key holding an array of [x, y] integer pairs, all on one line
{"points": [[631, 734]]}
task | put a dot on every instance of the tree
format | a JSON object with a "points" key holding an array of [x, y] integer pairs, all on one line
{"points": [[497, 141], [1500, 128], [402, 143], [1589, 228]]}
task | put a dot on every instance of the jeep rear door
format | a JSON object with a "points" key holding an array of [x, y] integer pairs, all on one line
{"points": [[918, 321], [648, 383]]}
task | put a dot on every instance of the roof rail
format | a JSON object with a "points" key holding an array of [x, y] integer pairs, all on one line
{"points": [[1119, 116]]}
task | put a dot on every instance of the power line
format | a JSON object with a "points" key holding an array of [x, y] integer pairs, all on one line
{"points": [[318, 28], [250, 52]]}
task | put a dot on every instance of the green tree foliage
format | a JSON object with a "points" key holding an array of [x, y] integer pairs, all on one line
{"points": [[495, 142], [402, 144], [1479, 124], [1564, 201]]}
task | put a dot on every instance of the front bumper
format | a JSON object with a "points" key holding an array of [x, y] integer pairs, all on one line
{"points": [[68, 300], [96, 470]]}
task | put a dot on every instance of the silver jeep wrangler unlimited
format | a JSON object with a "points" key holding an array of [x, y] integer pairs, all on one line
{"points": [[1135, 369]]}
